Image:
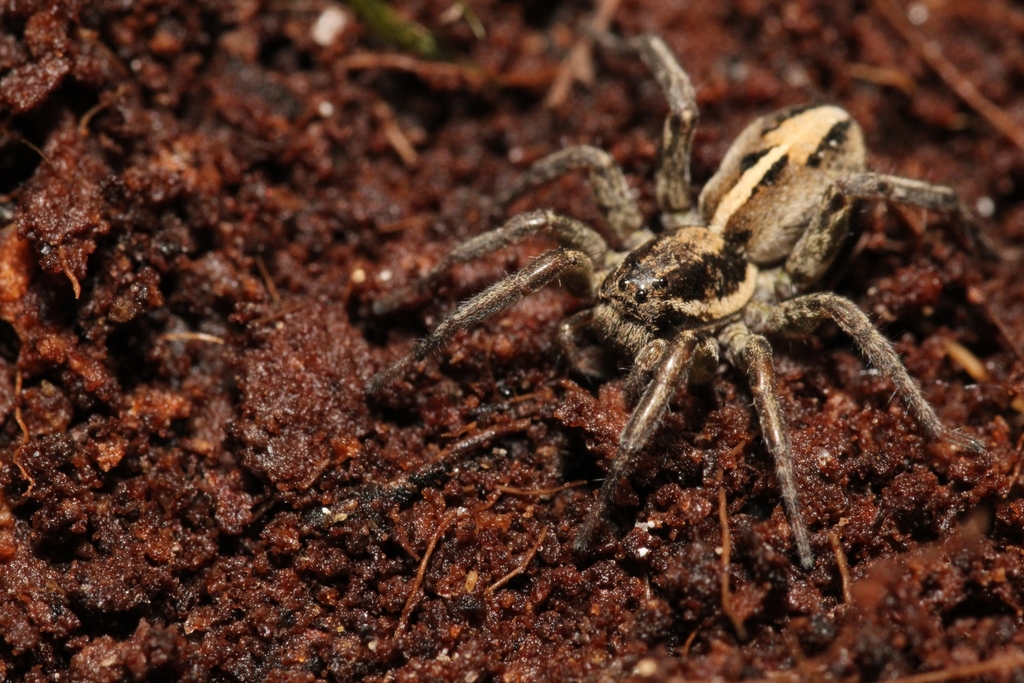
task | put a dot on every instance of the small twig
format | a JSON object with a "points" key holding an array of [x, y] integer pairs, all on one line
{"points": [[276, 315], [416, 479], [429, 71], [544, 393], [394, 133], [511, 490], [521, 567], [191, 336], [268, 281], [415, 594], [105, 101], [842, 564], [1005, 663], [464, 429], [689, 643], [75, 284], [17, 408], [893, 78], [461, 10], [578, 66], [723, 517], [931, 53], [963, 357], [32, 146], [401, 539], [24, 433]]}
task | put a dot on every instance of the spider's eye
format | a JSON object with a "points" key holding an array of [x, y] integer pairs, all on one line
{"points": [[622, 285], [660, 283], [641, 295]]}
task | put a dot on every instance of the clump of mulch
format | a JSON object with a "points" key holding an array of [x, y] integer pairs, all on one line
{"points": [[201, 202]]}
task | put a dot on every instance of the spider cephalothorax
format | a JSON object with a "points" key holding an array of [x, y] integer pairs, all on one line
{"points": [[723, 276]]}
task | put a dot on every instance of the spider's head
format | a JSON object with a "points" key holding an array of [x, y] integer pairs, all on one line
{"points": [[685, 277]]}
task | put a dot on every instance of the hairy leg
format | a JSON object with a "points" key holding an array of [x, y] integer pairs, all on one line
{"points": [[610, 188], [818, 246], [568, 232], [671, 369], [799, 317], [672, 181], [753, 354], [502, 294]]}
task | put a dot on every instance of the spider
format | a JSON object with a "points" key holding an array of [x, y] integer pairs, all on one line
{"points": [[722, 276]]}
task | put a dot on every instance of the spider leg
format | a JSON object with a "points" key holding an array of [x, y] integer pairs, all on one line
{"points": [[753, 354], [611, 191], [671, 369], [672, 180], [568, 232], [798, 317], [702, 368], [817, 247], [575, 265], [586, 360]]}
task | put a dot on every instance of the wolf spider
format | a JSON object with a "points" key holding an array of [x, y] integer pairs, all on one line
{"points": [[724, 274]]}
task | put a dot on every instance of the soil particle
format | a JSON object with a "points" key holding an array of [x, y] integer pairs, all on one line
{"points": [[199, 204]]}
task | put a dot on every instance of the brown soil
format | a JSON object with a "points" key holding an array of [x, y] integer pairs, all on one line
{"points": [[202, 202]]}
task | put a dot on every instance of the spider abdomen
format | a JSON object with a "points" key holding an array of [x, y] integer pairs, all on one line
{"points": [[774, 176]]}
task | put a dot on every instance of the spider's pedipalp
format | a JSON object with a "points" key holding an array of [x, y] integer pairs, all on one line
{"points": [[753, 354], [799, 317], [566, 231], [588, 361], [672, 365], [568, 263]]}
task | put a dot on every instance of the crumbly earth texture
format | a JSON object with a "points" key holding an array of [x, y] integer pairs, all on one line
{"points": [[201, 201]]}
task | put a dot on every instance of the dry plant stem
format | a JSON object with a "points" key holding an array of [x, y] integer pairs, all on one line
{"points": [[511, 490], [723, 517], [192, 336], [521, 567], [24, 434], [105, 101], [578, 65], [277, 315], [76, 286], [413, 480], [843, 565], [427, 70], [415, 594], [931, 53], [402, 539], [395, 135], [1005, 664], [689, 643], [970, 363], [268, 281], [501, 489], [894, 78]]}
